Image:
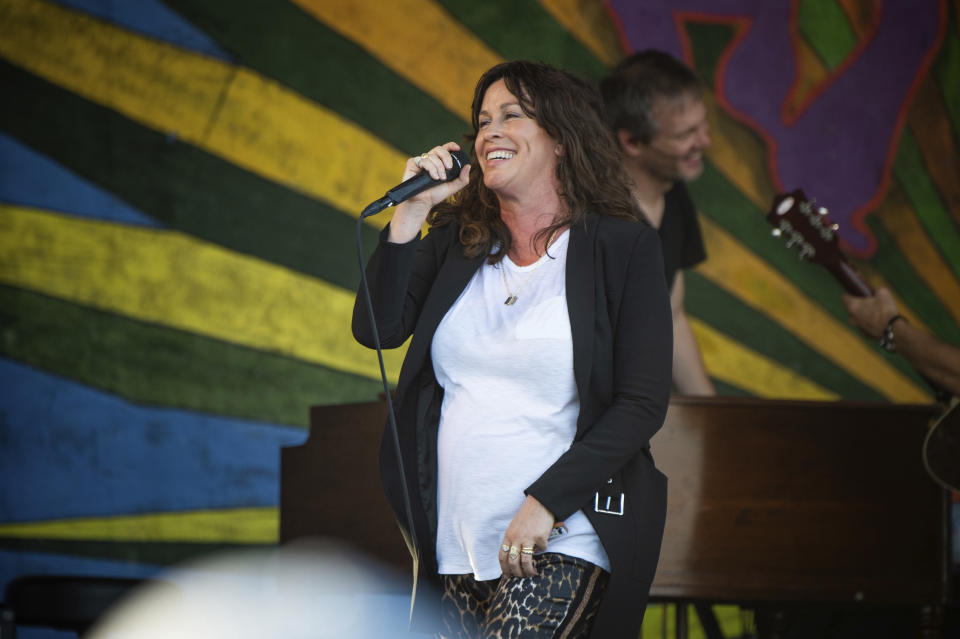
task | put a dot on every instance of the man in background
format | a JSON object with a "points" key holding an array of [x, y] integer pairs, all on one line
{"points": [[654, 106]]}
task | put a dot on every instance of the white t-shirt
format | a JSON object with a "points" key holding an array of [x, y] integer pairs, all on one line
{"points": [[509, 410]]}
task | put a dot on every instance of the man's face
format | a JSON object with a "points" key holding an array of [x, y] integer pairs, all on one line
{"points": [[682, 134]]}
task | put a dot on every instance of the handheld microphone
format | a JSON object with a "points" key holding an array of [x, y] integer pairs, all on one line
{"points": [[418, 183]]}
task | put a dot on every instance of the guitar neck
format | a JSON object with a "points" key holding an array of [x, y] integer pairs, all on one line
{"points": [[850, 279]]}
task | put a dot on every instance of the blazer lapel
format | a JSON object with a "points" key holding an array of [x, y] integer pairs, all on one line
{"points": [[580, 283]]}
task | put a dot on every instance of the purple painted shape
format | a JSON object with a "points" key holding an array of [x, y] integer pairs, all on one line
{"points": [[837, 149]]}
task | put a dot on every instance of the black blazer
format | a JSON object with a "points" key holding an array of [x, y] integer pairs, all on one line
{"points": [[622, 352]]}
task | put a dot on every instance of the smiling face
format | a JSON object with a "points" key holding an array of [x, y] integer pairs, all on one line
{"points": [[682, 135], [516, 154]]}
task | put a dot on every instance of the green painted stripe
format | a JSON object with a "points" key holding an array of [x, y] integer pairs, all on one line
{"points": [[151, 553], [824, 25], [923, 195], [145, 363], [726, 313], [899, 273], [325, 67], [946, 69], [529, 33], [728, 390], [709, 41], [722, 202], [180, 185]]}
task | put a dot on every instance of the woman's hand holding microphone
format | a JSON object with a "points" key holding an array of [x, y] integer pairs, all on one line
{"points": [[412, 213]]}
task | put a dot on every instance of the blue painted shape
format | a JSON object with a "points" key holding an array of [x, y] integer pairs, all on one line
{"points": [[152, 18], [31, 179], [69, 451], [32, 632], [14, 564]]}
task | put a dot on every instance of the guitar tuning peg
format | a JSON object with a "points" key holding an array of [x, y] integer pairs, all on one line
{"points": [[775, 232], [822, 210]]}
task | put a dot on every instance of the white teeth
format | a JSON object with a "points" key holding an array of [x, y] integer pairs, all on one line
{"points": [[500, 155]]}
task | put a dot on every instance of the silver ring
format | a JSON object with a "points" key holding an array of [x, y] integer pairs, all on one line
{"points": [[505, 548]]}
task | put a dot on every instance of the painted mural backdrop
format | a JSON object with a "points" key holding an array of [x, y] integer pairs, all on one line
{"points": [[179, 185]]}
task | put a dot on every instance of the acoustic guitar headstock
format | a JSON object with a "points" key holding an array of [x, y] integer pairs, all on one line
{"points": [[805, 226]]}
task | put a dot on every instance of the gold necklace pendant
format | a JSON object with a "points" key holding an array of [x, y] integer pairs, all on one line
{"points": [[512, 296]]}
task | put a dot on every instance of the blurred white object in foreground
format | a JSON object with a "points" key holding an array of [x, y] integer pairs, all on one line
{"points": [[317, 591]]}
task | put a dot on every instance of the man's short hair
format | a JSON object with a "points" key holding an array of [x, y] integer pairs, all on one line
{"points": [[630, 89]]}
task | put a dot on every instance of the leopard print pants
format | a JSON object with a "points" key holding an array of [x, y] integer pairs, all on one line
{"points": [[559, 603]]}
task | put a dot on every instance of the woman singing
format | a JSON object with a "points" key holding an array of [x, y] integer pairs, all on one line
{"points": [[538, 371]]}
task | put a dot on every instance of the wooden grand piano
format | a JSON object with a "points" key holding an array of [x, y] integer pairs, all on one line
{"points": [[771, 503]]}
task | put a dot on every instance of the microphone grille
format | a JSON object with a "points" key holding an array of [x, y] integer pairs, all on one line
{"points": [[459, 160]]}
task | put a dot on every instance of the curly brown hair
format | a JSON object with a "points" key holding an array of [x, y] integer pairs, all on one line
{"points": [[589, 171]]}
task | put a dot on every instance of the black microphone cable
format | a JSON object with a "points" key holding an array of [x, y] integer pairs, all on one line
{"points": [[391, 417], [407, 189]]}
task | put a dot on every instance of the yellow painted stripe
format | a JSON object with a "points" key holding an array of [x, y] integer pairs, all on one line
{"points": [[235, 525], [737, 270], [589, 22], [729, 361], [231, 112], [418, 40], [934, 133], [171, 279], [898, 217]]}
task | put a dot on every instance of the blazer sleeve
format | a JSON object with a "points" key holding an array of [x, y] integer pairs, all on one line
{"points": [[640, 368], [400, 277]]}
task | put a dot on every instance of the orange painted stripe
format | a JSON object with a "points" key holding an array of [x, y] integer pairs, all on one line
{"points": [[897, 216], [931, 127], [811, 74]]}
